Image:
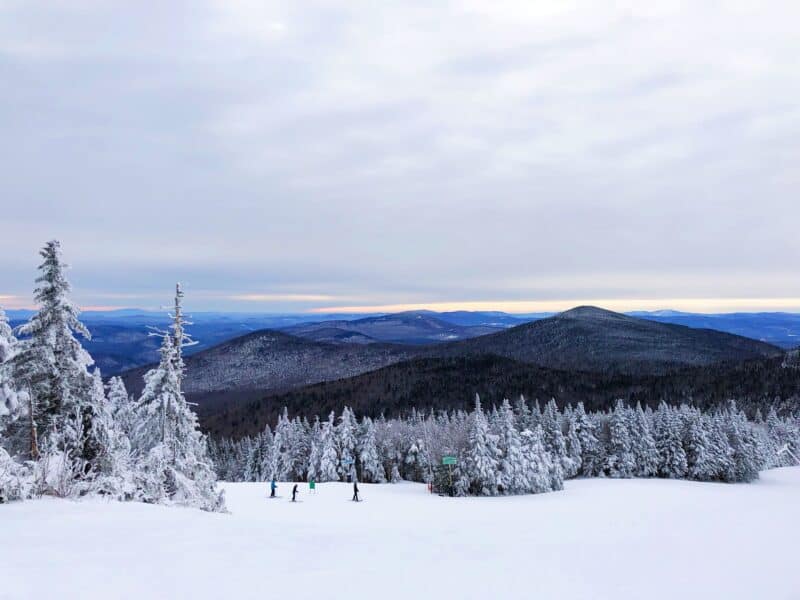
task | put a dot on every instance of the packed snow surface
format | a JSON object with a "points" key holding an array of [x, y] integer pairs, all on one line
{"points": [[596, 539]]}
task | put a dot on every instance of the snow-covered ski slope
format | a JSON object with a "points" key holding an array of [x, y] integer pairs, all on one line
{"points": [[597, 539]]}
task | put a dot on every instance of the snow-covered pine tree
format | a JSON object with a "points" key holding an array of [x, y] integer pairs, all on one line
{"points": [[574, 446], [371, 467], [621, 461], [743, 442], [592, 452], [513, 475], [121, 405], [554, 436], [644, 445], [180, 337], [544, 475], [346, 444], [315, 450], [282, 448], [329, 460], [10, 408], [113, 462], [700, 465], [720, 453], [176, 467], [668, 435], [300, 449], [522, 413], [481, 455], [51, 364]]}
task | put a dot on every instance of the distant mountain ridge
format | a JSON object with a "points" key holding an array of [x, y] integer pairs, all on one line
{"points": [[588, 338], [585, 339], [417, 327]]}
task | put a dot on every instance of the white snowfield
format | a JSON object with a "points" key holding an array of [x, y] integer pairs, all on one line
{"points": [[597, 539]]}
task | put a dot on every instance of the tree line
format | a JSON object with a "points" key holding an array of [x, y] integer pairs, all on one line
{"points": [[517, 449], [63, 432]]}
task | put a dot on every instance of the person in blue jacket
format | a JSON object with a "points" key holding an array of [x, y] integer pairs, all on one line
{"points": [[273, 486]]}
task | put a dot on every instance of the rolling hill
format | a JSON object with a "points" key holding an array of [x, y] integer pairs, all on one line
{"points": [[417, 328], [267, 361], [587, 338]]}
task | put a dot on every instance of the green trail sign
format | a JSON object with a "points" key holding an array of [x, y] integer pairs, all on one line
{"points": [[449, 460]]}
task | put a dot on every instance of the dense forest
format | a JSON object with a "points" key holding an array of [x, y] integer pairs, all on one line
{"points": [[515, 450], [450, 383]]}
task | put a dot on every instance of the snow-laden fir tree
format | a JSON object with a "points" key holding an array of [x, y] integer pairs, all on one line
{"points": [[329, 459], [300, 450], [554, 436], [513, 475], [121, 405], [699, 458], [315, 450], [744, 444], [346, 443], [592, 452], [10, 406], [621, 461], [282, 448], [573, 443], [176, 467], [368, 457], [668, 435], [113, 463], [51, 364], [544, 473], [481, 456], [644, 445]]}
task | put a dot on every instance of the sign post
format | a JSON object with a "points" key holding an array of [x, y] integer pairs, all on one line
{"points": [[450, 461]]}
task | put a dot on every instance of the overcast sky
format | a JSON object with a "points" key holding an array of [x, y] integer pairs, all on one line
{"points": [[305, 155]]}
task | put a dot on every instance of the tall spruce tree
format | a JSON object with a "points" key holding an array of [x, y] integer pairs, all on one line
{"points": [[176, 463], [51, 364], [481, 455]]}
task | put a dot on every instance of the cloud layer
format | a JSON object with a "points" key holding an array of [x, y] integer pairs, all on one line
{"points": [[296, 155]]}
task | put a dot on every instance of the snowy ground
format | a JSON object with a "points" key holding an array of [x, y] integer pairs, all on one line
{"points": [[597, 539]]}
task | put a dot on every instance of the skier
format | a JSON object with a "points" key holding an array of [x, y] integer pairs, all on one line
{"points": [[312, 486], [273, 486], [355, 491], [294, 492]]}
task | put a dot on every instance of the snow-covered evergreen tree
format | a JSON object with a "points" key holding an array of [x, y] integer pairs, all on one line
{"points": [[513, 476], [621, 460], [481, 456], [554, 437], [329, 459], [11, 406], [51, 364], [574, 447], [176, 467], [282, 448], [368, 457], [592, 454], [346, 444], [643, 444], [668, 435], [315, 450]]}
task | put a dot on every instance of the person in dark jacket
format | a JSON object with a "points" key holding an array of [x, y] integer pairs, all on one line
{"points": [[355, 491], [294, 492], [273, 486]]}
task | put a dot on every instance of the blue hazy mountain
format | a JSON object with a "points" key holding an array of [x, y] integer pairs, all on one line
{"points": [[780, 329], [122, 341]]}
